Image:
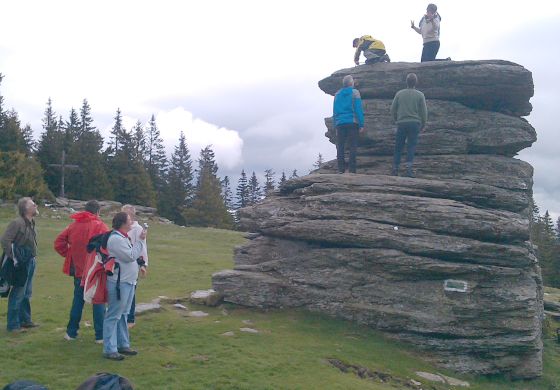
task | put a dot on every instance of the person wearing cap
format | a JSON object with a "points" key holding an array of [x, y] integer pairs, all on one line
{"points": [[373, 49], [428, 27], [410, 113], [348, 118]]}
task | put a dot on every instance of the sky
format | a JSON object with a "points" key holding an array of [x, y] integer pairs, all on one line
{"points": [[242, 76]]}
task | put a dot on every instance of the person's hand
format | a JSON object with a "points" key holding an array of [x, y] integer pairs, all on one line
{"points": [[143, 234], [143, 271], [412, 24]]}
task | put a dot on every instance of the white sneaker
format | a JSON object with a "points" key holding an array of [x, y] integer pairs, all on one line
{"points": [[68, 338], [100, 341]]}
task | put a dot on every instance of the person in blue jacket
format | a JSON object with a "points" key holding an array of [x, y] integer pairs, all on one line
{"points": [[348, 117]]}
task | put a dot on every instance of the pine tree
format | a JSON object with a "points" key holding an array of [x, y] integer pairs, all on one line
{"points": [[139, 142], [242, 191], [155, 158], [282, 179], [91, 180], [72, 130], [116, 134], [12, 138], [208, 207], [27, 134], [319, 162], [269, 181], [294, 174], [254, 189], [178, 192], [548, 224], [226, 193], [49, 149]]}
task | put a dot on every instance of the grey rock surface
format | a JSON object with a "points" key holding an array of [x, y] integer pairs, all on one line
{"points": [[491, 85], [442, 260]]}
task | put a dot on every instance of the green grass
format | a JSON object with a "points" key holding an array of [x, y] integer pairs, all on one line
{"points": [[178, 352]]}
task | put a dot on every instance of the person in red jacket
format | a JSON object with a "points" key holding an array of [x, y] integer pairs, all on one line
{"points": [[71, 244]]}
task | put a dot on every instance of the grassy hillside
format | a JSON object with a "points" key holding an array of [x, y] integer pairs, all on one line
{"points": [[179, 352]]}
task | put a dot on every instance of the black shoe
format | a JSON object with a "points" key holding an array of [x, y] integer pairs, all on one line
{"points": [[128, 351], [395, 171], [410, 173], [29, 325], [113, 356]]}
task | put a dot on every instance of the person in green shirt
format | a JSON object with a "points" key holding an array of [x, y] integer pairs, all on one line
{"points": [[410, 113]]}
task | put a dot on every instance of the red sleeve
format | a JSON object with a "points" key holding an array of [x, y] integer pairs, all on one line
{"points": [[61, 243]]}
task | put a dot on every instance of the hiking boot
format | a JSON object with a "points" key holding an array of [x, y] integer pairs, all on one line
{"points": [[128, 351], [113, 356], [29, 325], [395, 171], [410, 172], [17, 331], [67, 337]]}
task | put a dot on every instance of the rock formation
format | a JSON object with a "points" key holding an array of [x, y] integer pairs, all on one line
{"points": [[442, 260]]}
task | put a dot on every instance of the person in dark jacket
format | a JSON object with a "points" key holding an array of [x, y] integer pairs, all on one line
{"points": [[71, 243], [348, 117], [21, 232]]}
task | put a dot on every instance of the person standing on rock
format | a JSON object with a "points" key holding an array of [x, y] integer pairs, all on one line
{"points": [[410, 113], [120, 287], [348, 117], [19, 243], [373, 49], [71, 244], [134, 234], [428, 27]]}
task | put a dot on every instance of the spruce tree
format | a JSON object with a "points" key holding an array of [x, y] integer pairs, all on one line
{"points": [[227, 194], [294, 174], [1, 104], [282, 179], [155, 158], [269, 181], [208, 207], [254, 189], [12, 138], [319, 162], [27, 133], [116, 134], [139, 142], [242, 191], [49, 149], [178, 192]]}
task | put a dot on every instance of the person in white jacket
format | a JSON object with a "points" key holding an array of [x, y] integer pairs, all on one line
{"points": [[120, 287], [429, 29], [134, 234]]}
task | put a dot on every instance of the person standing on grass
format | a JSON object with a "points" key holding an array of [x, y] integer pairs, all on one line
{"points": [[134, 234], [120, 287], [71, 244], [410, 113], [348, 117], [21, 234]]}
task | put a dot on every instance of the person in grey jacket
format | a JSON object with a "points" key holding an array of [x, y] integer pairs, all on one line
{"points": [[21, 231], [120, 287]]}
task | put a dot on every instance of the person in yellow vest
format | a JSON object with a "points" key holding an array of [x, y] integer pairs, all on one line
{"points": [[373, 49]]}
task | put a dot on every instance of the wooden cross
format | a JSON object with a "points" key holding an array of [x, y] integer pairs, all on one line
{"points": [[63, 167]]}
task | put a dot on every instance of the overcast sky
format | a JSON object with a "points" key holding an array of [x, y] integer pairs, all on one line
{"points": [[242, 75]]}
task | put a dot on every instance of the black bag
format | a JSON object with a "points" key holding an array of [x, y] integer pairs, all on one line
{"points": [[106, 381], [24, 385], [12, 274]]}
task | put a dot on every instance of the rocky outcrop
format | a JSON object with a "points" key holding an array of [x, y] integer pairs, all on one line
{"points": [[442, 260]]}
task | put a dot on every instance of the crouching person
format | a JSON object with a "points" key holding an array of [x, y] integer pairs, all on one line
{"points": [[120, 287]]}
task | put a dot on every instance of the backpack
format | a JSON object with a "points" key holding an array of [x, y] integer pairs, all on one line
{"points": [[95, 285], [106, 381], [24, 385]]}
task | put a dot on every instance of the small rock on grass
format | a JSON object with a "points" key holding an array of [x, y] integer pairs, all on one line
{"points": [[197, 314], [179, 306], [248, 330], [228, 334]]}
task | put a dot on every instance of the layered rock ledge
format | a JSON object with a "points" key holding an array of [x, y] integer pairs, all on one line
{"points": [[443, 260]]}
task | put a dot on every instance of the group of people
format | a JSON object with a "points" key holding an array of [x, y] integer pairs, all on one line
{"points": [[125, 243], [374, 49], [408, 108]]}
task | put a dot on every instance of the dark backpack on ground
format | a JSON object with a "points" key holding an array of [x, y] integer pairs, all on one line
{"points": [[106, 381], [24, 385]]}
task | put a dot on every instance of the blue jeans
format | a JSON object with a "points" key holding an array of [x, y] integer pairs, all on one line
{"points": [[131, 319], [19, 307], [410, 131], [76, 313], [115, 329]]}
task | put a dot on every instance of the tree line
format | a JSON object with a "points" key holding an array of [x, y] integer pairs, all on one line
{"points": [[545, 235], [130, 167]]}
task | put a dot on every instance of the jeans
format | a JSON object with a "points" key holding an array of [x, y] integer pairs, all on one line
{"points": [[131, 318], [115, 329], [346, 132], [76, 313], [19, 306], [410, 131], [429, 51]]}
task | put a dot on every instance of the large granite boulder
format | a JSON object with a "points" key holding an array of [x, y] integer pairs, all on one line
{"points": [[442, 260]]}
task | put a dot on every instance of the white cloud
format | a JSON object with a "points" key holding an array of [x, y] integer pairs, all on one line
{"points": [[226, 143]]}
